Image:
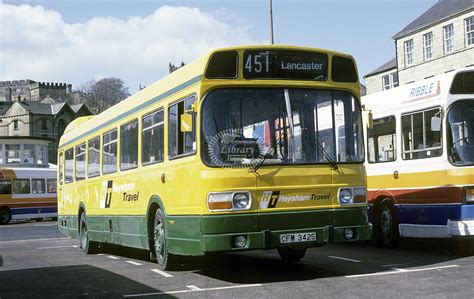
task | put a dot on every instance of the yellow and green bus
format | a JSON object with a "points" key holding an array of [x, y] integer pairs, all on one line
{"points": [[255, 147]]}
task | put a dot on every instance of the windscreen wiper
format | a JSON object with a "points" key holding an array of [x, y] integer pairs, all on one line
{"points": [[318, 145], [260, 163]]}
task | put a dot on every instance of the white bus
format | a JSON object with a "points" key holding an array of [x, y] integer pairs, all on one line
{"points": [[420, 158], [28, 193]]}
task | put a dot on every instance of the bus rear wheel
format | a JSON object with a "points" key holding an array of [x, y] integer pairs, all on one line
{"points": [[291, 254], [5, 216], [87, 246], [388, 225], [164, 259]]}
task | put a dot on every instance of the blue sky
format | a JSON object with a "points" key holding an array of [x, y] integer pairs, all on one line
{"points": [[77, 40]]}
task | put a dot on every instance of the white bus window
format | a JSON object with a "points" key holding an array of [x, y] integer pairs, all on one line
{"points": [[109, 152], [38, 186], [29, 155], [129, 145], [418, 140], [69, 156], [93, 157], [21, 186], [181, 143], [382, 146], [80, 162], [12, 152], [1, 154], [5, 187], [51, 185], [153, 137]]}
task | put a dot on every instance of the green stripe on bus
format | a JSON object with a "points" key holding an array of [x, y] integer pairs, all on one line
{"points": [[137, 108]]}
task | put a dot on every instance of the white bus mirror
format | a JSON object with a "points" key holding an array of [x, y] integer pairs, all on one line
{"points": [[186, 122], [370, 120], [436, 124]]}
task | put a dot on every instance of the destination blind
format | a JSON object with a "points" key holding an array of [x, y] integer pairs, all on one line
{"points": [[284, 64]]}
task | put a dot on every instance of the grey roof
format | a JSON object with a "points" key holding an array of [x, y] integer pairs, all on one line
{"points": [[36, 107], [437, 13], [4, 106], [391, 64], [55, 108]]}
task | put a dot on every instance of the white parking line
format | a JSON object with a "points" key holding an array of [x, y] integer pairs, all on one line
{"points": [[113, 257], [134, 263], [193, 288], [55, 247], [197, 290], [35, 240], [398, 271], [163, 273], [344, 259]]}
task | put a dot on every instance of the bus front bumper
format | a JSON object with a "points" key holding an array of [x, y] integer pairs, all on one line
{"points": [[268, 239], [283, 229]]}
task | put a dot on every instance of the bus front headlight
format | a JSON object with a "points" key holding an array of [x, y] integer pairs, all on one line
{"points": [[241, 201], [345, 196], [229, 201]]}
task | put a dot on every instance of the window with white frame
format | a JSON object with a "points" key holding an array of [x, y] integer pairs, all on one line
{"points": [[448, 35], [428, 45], [469, 31], [409, 52], [390, 80]]}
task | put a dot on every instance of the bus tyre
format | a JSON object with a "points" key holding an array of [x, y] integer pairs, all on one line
{"points": [[163, 258], [5, 216], [388, 224], [291, 255], [87, 246]]}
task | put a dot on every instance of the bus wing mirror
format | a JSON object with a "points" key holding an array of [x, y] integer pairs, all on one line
{"points": [[370, 120], [186, 122], [436, 124]]}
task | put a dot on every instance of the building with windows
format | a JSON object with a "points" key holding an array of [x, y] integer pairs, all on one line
{"points": [[30, 109], [439, 41]]}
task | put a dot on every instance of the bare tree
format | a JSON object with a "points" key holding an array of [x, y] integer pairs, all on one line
{"points": [[105, 92]]}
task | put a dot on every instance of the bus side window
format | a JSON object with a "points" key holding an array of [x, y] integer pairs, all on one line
{"points": [[69, 167], [5, 187], [381, 140], [129, 145], [21, 186], [418, 141], [153, 137], [80, 166], [109, 152], [51, 185], [181, 143], [93, 157], [38, 186], [61, 168]]}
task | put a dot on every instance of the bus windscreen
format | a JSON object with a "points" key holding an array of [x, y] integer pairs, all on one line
{"points": [[463, 83]]}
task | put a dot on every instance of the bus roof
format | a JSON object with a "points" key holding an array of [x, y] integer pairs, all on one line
{"points": [[419, 93], [179, 80]]}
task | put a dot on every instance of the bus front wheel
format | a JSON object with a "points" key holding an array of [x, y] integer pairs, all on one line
{"points": [[291, 255], [163, 258], [5, 216], [87, 246], [388, 224]]}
